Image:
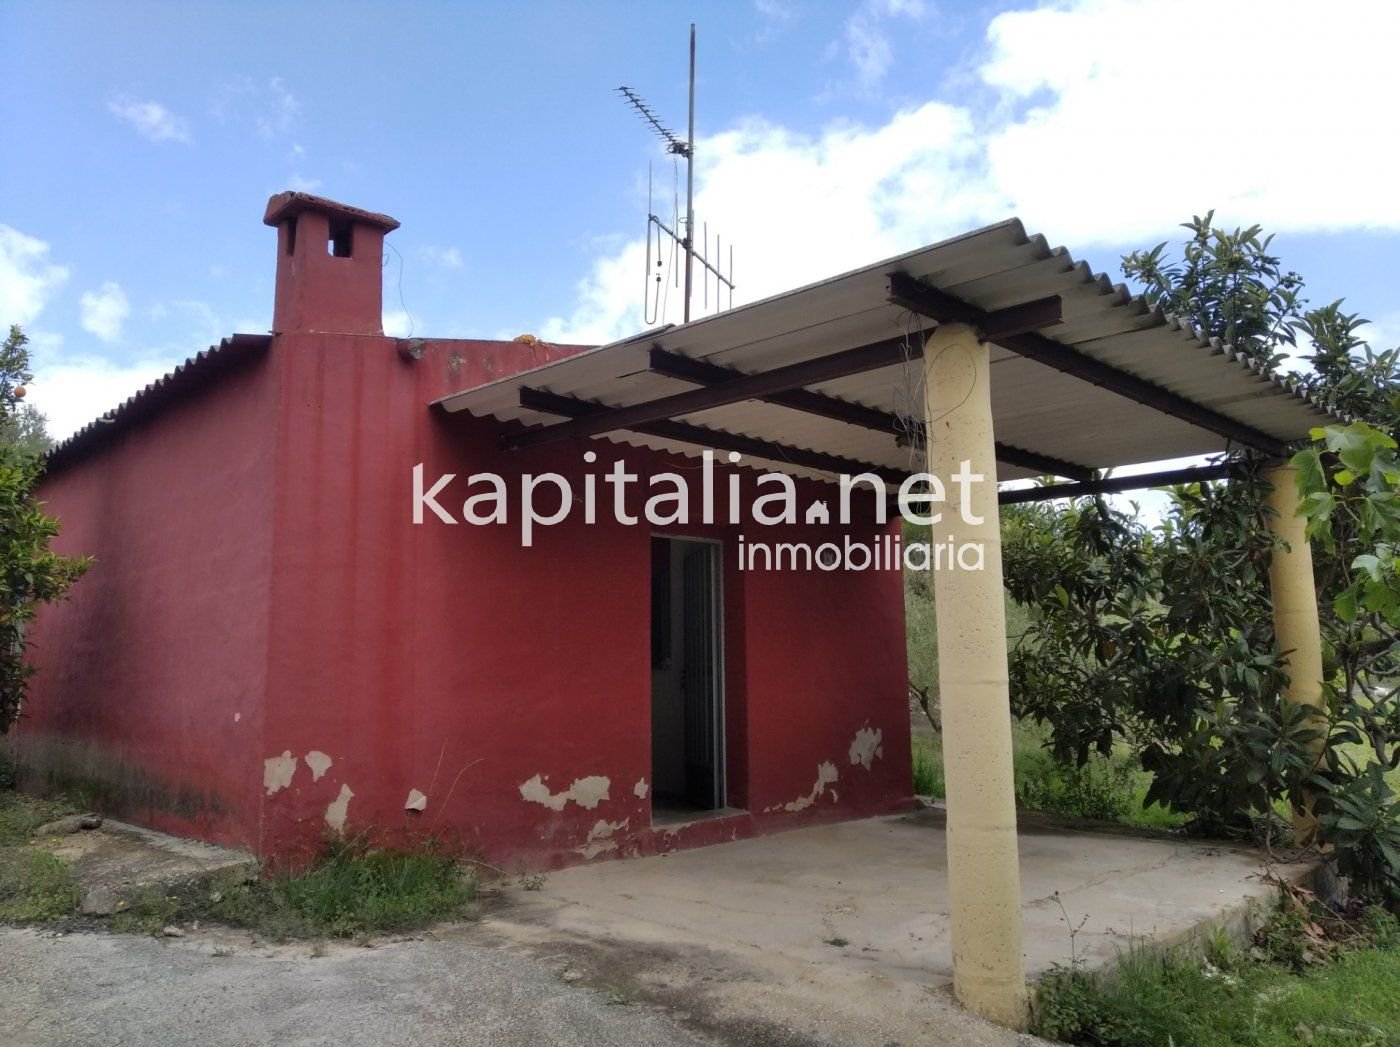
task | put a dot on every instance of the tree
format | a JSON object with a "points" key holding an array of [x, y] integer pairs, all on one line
{"points": [[1227, 285], [1134, 638], [30, 574]]}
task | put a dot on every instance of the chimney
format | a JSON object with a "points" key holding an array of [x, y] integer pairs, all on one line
{"points": [[329, 261]]}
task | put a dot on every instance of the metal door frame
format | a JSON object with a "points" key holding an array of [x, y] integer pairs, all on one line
{"points": [[720, 690]]}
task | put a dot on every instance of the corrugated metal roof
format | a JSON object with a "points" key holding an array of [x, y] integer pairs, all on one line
{"points": [[1036, 407], [196, 372]]}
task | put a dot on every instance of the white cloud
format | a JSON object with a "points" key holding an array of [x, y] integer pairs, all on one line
{"points": [[1144, 111], [773, 10], [1112, 122], [866, 38], [398, 323], [74, 392], [445, 257], [1383, 334], [151, 120], [27, 277], [868, 49], [803, 208], [269, 107], [303, 185], [280, 110], [104, 311]]}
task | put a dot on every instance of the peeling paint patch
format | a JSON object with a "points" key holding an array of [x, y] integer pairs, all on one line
{"points": [[278, 771], [336, 811], [867, 747], [826, 775], [319, 763], [586, 792], [237, 717], [416, 801], [641, 789], [599, 838]]}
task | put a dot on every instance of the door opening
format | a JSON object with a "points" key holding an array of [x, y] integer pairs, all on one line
{"points": [[687, 679]]}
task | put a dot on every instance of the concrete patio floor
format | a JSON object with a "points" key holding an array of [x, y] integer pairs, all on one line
{"points": [[840, 933]]}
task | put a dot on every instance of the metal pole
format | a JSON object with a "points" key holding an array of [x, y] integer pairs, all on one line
{"points": [[690, 181]]}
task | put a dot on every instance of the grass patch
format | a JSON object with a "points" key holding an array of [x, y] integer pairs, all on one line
{"points": [[21, 815], [1109, 790], [354, 891], [1233, 999], [351, 891], [35, 887], [928, 767]]}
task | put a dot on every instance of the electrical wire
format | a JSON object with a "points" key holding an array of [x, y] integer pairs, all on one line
{"points": [[384, 264]]}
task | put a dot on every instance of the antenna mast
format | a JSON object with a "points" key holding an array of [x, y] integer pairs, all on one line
{"points": [[688, 245], [685, 238]]}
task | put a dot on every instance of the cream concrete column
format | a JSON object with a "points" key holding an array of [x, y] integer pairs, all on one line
{"points": [[1295, 610], [984, 880]]}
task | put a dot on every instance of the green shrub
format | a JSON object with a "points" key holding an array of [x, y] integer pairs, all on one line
{"points": [[1283, 940], [1101, 789], [1382, 927], [1075, 1006]]}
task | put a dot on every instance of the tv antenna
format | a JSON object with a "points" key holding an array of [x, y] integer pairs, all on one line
{"points": [[682, 236]]}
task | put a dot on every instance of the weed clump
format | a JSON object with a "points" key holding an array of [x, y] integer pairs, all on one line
{"points": [[349, 891]]}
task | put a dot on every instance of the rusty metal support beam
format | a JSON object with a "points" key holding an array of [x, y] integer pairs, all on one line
{"points": [[750, 387], [1118, 484], [682, 432], [702, 372], [938, 305]]}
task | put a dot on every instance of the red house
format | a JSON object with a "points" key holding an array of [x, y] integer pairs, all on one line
{"points": [[269, 648]]}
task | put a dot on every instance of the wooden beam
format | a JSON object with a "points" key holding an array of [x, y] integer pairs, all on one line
{"points": [[751, 387], [938, 305], [702, 372], [574, 408], [1118, 484]]}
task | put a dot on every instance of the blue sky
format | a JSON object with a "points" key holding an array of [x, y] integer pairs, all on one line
{"points": [[140, 143]]}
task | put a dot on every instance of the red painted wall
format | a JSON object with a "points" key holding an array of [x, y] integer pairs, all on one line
{"points": [[269, 650], [152, 677], [449, 659]]}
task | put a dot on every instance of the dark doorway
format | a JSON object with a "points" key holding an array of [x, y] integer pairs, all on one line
{"points": [[687, 695]]}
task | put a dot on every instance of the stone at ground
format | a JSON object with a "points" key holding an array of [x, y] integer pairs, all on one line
{"points": [[114, 863], [69, 824]]}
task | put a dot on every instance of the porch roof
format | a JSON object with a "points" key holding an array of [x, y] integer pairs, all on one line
{"points": [[826, 378]]}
